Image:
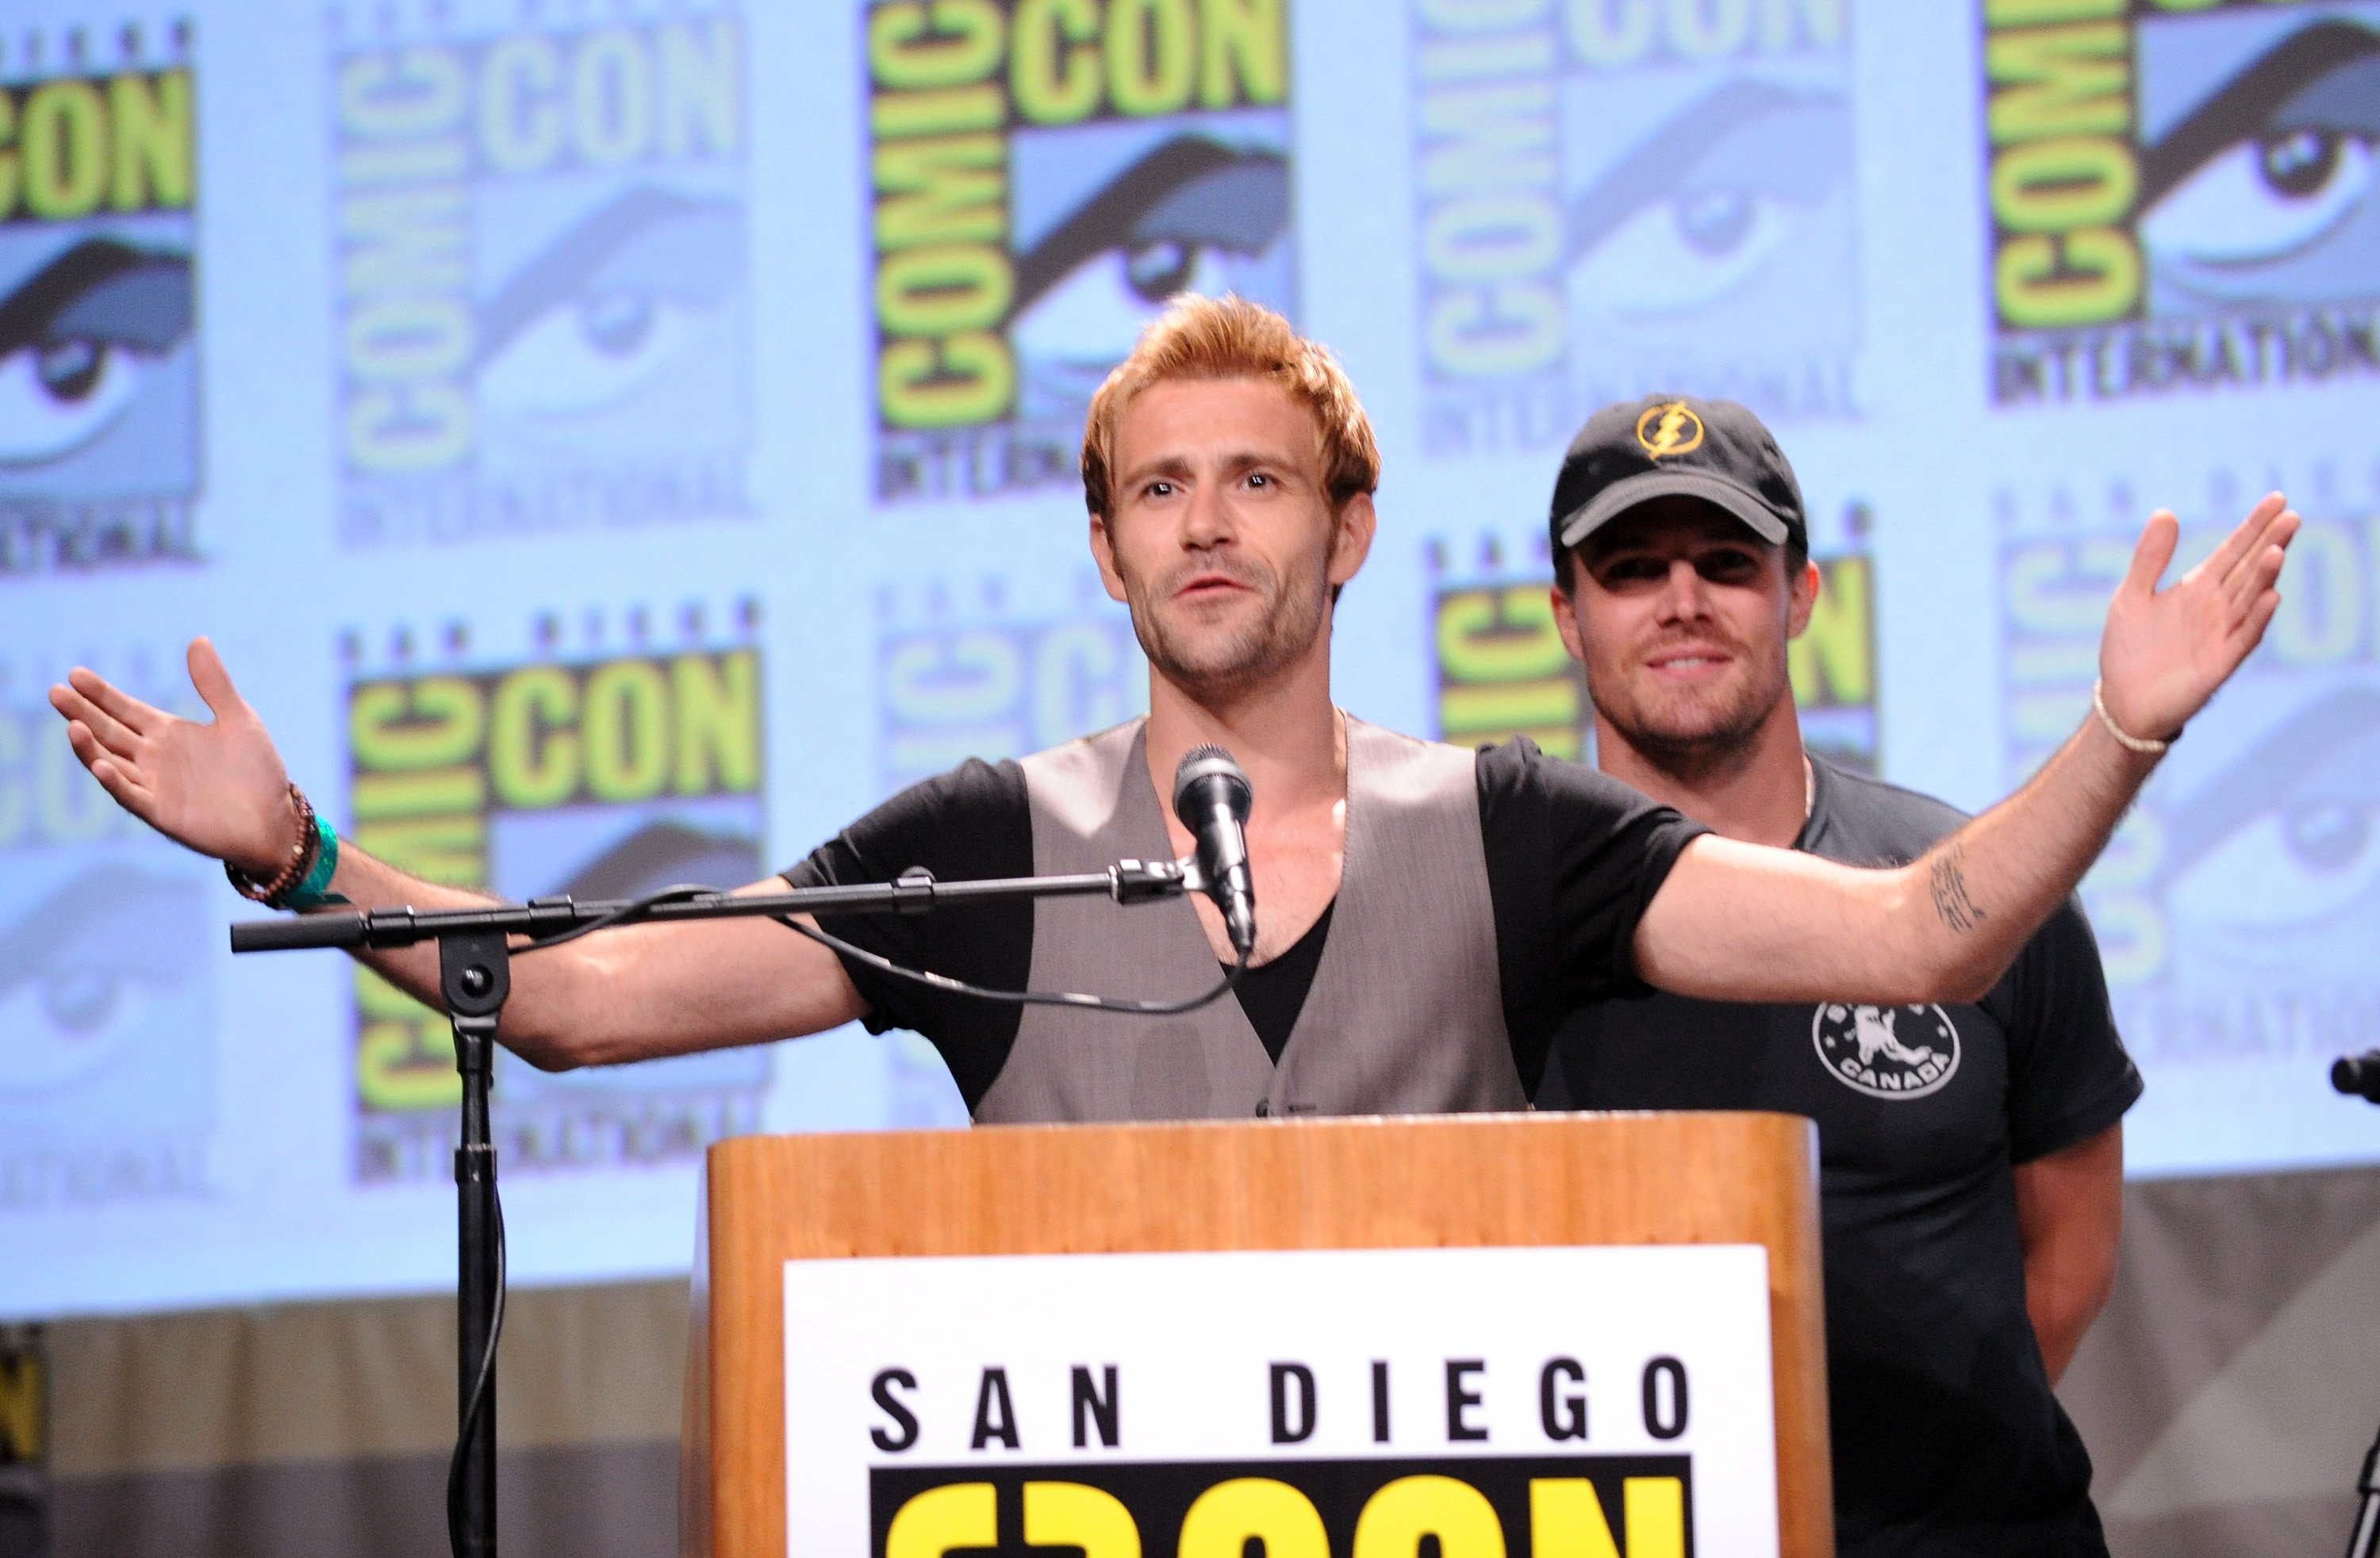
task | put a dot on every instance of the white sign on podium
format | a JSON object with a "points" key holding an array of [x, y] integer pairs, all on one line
{"points": [[1566, 1403]]}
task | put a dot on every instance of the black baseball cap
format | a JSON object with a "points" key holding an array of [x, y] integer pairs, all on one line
{"points": [[1662, 445]]}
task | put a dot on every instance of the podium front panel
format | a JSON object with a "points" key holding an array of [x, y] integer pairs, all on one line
{"points": [[1494, 1323]]}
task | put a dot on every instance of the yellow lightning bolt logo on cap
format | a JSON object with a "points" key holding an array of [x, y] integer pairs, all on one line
{"points": [[1679, 432]]}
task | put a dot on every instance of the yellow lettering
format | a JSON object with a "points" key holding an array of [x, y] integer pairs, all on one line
{"points": [[1243, 52], [1070, 1514], [425, 724], [2044, 280], [895, 114], [1502, 708], [64, 138], [406, 1064], [11, 165], [1832, 662], [954, 1515], [1566, 1520], [963, 379], [626, 725], [942, 289], [1229, 1516], [452, 850], [2062, 183], [1396, 1518], [2028, 13], [1655, 1508], [718, 701], [2060, 81], [1053, 68], [944, 44], [152, 140], [426, 792], [1499, 635], [1152, 56], [532, 747], [950, 188]]}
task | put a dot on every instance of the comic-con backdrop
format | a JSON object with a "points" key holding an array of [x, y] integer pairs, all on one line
{"points": [[613, 443]]}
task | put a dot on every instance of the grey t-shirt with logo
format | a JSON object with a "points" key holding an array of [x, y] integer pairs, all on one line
{"points": [[1947, 1438]]}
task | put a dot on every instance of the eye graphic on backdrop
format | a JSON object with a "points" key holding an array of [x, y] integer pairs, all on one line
{"points": [[661, 852], [1179, 219], [608, 304], [1700, 206], [83, 970], [666, 854], [2288, 835], [76, 337], [2270, 188]]}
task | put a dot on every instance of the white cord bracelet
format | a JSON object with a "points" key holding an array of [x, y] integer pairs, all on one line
{"points": [[2130, 742]]}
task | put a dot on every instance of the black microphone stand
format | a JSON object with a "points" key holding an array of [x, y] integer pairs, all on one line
{"points": [[475, 951]]}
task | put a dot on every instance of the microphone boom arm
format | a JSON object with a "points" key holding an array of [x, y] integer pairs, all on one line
{"points": [[548, 920]]}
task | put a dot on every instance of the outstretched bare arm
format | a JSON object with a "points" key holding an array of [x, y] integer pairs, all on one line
{"points": [[1737, 921], [631, 994]]}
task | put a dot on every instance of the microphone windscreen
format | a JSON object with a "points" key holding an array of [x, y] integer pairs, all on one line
{"points": [[1204, 765]]}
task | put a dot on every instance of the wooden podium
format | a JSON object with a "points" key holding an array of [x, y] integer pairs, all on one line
{"points": [[1514, 1180]]}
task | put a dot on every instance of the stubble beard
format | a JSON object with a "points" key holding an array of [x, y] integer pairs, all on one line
{"points": [[1219, 667], [1691, 733]]}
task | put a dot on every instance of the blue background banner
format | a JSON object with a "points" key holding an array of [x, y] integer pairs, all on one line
{"points": [[625, 439]]}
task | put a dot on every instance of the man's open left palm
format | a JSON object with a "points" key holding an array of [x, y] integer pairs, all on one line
{"points": [[2166, 652]]}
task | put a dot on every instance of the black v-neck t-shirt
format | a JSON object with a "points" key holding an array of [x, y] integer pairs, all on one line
{"points": [[1947, 1438], [1572, 858], [1273, 993]]}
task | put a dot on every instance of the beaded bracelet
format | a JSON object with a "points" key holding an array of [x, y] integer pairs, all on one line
{"points": [[315, 891], [2124, 738], [301, 859]]}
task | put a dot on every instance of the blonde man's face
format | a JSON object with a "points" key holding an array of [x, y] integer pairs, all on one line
{"points": [[1221, 538]]}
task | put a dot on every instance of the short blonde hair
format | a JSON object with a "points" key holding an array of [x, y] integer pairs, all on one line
{"points": [[1230, 337]]}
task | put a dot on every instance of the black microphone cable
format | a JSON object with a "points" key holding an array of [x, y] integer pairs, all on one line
{"points": [[634, 909], [1020, 997], [477, 1405]]}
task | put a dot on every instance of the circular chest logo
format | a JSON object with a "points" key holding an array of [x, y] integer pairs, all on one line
{"points": [[1887, 1051]]}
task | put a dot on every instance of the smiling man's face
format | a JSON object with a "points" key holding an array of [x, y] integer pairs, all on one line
{"points": [[1680, 616], [1222, 541]]}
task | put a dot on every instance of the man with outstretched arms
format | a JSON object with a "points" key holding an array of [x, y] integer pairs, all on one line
{"points": [[1970, 1150], [1426, 916]]}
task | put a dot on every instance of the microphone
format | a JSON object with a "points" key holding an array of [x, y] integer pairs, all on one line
{"points": [[1212, 796], [2358, 1076]]}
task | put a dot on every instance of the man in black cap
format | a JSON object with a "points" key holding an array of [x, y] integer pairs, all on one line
{"points": [[1972, 1151]]}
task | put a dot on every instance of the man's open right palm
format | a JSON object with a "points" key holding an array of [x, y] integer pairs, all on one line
{"points": [[219, 788]]}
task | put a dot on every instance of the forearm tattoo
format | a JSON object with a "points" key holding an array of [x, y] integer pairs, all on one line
{"points": [[1959, 910]]}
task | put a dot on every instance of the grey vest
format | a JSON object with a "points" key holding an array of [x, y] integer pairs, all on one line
{"points": [[1405, 1015]]}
